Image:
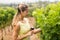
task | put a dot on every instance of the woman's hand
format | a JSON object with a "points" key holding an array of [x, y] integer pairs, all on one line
{"points": [[37, 30], [34, 31]]}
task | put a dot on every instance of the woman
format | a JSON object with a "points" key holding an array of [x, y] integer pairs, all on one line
{"points": [[22, 27]]}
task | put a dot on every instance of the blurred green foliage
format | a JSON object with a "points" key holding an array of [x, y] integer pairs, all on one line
{"points": [[6, 15], [48, 19]]}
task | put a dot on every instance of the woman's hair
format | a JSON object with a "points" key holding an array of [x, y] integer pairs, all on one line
{"points": [[21, 8]]}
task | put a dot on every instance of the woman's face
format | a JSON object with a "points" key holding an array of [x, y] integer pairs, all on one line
{"points": [[25, 13]]}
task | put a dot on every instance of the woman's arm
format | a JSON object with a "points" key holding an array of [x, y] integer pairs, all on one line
{"points": [[24, 36], [15, 32], [37, 30]]}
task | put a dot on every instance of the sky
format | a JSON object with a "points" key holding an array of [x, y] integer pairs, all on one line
{"points": [[21, 1]]}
